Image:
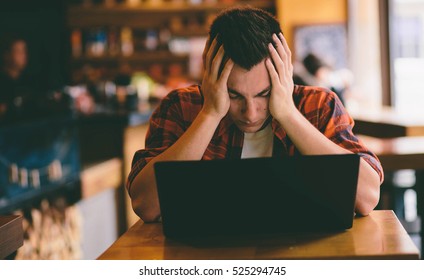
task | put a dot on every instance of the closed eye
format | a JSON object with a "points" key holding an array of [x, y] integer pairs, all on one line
{"points": [[234, 95], [264, 94]]}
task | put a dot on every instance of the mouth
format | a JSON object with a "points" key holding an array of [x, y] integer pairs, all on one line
{"points": [[250, 124]]}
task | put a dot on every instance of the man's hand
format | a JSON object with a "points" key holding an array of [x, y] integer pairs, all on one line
{"points": [[214, 85], [192, 144], [280, 70]]}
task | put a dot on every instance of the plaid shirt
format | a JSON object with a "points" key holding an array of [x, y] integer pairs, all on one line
{"points": [[180, 107]]}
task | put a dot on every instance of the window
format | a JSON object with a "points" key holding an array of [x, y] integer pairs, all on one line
{"points": [[364, 54], [406, 20]]}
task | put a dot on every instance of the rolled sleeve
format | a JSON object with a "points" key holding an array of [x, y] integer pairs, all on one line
{"points": [[167, 123], [165, 127], [337, 125]]}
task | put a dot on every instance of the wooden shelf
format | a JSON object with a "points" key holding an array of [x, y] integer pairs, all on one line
{"points": [[182, 19], [190, 32], [166, 7], [145, 15], [145, 57]]}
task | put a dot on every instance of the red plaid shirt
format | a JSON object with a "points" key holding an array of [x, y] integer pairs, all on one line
{"points": [[180, 107]]}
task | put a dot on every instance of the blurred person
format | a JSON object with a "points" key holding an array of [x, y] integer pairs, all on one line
{"points": [[22, 94], [313, 71], [15, 83]]}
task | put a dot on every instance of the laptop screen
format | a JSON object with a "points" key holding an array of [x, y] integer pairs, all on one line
{"points": [[257, 195]]}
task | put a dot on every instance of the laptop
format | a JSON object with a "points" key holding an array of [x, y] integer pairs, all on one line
{"points": [[258, 195]]}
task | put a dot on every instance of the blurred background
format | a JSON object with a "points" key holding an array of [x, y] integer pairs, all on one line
{"points": [[80, 78]]}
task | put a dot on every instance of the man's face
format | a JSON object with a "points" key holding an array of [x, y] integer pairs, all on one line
{"points": [[249, 96], [18, 55]]}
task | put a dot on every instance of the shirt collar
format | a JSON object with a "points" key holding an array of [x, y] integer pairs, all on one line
{"points": [[226, 124]]}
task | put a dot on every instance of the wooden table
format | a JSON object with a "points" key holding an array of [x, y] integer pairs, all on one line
{"points": [[387, 122], [11, 235], [402, 153], [397, 153], [377, 236]]}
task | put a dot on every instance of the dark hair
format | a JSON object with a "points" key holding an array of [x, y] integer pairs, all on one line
{"points": [[245, 33], [312, 63], [7, 41]]}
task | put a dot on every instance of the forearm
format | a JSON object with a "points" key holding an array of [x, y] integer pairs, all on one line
{"points": [[307, 139], [368, 192], [190, 146], [310, 141]]}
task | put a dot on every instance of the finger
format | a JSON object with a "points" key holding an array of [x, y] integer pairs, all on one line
{"points": [[226, 71], [211, 53], [288, 61], [284, 52], [279, 47], [205, 51], [278, 62], [285, 46], [216, 62], [275, 79]]}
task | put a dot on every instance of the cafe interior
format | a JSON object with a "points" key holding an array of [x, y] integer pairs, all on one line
{"points": [[86, 75]]}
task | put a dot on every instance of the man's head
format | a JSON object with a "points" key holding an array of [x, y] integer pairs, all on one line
{"points": [[13, 53], [313, 63], [245, 34]]}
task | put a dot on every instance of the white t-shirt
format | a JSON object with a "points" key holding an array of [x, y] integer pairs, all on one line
{"points": [[258, 144]]}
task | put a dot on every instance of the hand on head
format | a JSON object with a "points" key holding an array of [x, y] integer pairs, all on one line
{"points": [[279, 67], [280, 70], [214, 84]]}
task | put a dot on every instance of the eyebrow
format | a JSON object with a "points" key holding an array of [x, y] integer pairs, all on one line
{"points": [[260, 93]]}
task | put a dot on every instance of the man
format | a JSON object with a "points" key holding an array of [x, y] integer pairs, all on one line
{"points": [[13, 56], [14, 81], [313, 71], [23, 94], [247, 106]]}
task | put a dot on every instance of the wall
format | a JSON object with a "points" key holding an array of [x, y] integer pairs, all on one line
{"points": [[365, 56], [301, 12]]}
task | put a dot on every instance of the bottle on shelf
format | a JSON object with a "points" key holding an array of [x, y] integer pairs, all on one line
{"points": [[100, 43], [76, 43], [127, 44], [113, 41], [176, 23], [152, 40], [164, 38], [89, 39]]}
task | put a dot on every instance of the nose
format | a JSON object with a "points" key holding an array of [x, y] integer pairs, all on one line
{"points": [[249, 110]]}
